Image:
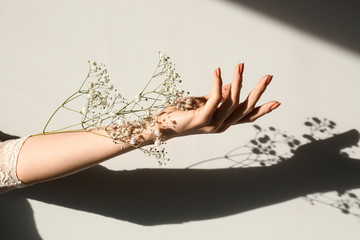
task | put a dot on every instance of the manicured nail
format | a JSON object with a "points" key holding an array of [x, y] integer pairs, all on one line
{"points": [[269, 80], [274, 106], [218, 72], [241, 68]]}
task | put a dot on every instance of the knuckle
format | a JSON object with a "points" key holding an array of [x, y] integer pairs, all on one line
{"points": [[252, 120], [248, 110], [208, 130], [212, 129], [233, 105]]}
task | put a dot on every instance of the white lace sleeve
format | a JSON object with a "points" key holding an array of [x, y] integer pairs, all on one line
{"points": [[9, 151]]}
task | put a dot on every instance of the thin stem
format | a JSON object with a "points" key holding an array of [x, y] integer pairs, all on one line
{"points": [[85, 80], [60, 129], [71, 109], [152, 77]]}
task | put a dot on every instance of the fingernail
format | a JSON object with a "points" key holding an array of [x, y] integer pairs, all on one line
{"points": [[241, 68], [218, 72], [269, 80], [274, 106]]}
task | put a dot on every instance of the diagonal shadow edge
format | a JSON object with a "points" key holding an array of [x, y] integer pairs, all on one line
{"points": [[167, 196], [337, 22]]}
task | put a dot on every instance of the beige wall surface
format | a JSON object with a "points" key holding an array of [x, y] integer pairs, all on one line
{"points": [[45, 46]]}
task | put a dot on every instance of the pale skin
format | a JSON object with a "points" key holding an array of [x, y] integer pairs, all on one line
{"points": [[47, 157]]}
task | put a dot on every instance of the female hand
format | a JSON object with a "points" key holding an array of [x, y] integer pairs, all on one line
{"points": [[217, 111]]}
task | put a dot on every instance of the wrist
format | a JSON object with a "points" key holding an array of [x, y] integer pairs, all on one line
{"points": [[137, 133]]}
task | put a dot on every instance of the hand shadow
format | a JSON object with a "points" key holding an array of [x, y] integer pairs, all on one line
{"points": [[166, 196]]}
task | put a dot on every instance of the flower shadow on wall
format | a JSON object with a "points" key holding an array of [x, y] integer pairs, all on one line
{"points": [[273, 146], [273, 167]]}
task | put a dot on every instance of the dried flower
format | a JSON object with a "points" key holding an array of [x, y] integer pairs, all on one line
{"points": [[84, 110], [133, 141], [137, 98], [105, 106], [157, 143]]}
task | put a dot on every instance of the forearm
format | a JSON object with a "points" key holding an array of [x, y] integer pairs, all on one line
{"points": [[46, 157]]}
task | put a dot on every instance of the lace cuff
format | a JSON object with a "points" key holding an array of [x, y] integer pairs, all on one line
{"points": [[9, 152]]}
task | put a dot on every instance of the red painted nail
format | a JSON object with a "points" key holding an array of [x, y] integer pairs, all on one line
{"points": [[269, 80], [241, 68], [274, 106], [218, 72]]}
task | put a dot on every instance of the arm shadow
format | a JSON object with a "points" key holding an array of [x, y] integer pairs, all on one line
{"points": [[5, 136], [167, 196]]}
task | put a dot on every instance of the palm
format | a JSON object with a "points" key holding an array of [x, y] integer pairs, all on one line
{"points": [[217, 111]]}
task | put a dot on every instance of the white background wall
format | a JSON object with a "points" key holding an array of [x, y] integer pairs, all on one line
{"points": [[45, 46]]}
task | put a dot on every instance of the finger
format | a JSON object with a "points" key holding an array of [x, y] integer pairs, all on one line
{"points": [[254, 115], [248, 106], [255, 94], [215, 96], [225, 92], [232, 100], [237, 83], [259, 112]]}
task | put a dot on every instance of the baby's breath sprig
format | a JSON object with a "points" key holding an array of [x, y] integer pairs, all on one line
{"points": [[125, 119]]}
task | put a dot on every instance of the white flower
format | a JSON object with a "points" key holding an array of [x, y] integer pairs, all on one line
{"points": [[94, 66], [156, 133], [165, 101], [84, 110], [179, 90], [103, 102], [113, 114], [188, 101], [137, 98], [125, 132], [102, 80], [157, 143], [133, 141], [162, 57], [90, 85], [121, 121], [136, 124], [92, 92]]}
